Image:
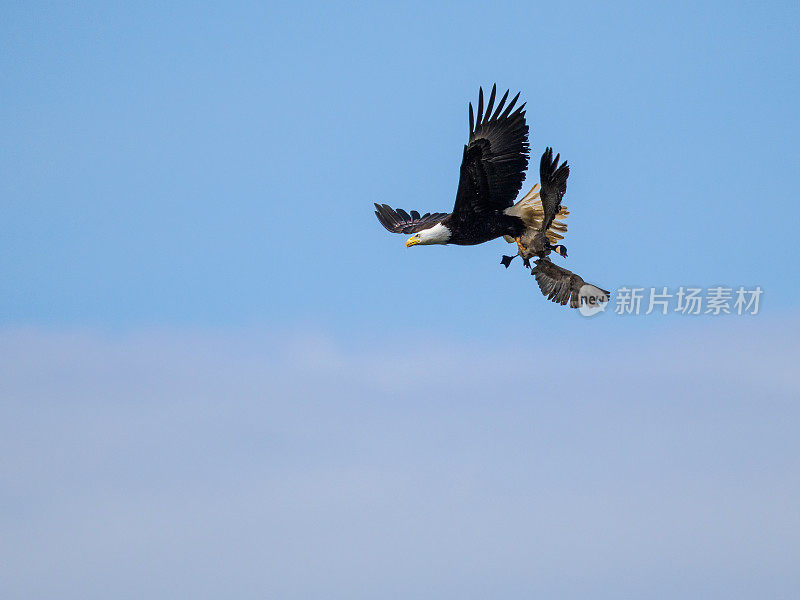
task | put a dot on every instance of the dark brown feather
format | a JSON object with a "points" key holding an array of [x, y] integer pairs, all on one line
{"points": [[559, 284], [399, 221], [554, 185], [494, 161]]}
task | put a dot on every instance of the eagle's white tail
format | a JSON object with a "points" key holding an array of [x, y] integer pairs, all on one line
{"points": [[530, 210]]}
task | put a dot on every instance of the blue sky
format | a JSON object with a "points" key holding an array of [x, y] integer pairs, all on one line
{"points": [[217, 166], [209, 341]]}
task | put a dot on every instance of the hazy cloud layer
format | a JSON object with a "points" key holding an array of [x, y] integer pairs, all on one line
{"points": [[205, 465]]}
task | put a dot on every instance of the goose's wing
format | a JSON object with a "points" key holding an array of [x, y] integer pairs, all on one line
{"points": [[399, 221], [495, 158], [561, 285], [554, 185]]}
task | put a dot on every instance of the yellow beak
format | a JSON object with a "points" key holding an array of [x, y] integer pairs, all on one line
{"points": [[412, 241]]}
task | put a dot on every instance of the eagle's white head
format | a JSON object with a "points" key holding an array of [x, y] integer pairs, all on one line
{"points": [[438, 234]]}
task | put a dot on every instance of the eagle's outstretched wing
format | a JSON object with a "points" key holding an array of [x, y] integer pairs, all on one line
{"points": [[495, 159], [399, 221], [561, 285], [554, 185]]}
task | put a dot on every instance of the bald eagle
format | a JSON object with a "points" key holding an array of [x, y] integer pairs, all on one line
{"points": [[492, 172]]}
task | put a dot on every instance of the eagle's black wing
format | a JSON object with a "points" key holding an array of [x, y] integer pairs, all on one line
{"points": [[399, 221], [554, 185], [495, 159], [561, 285]]}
